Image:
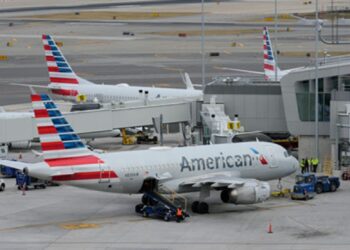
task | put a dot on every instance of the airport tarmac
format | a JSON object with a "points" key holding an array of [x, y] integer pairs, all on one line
{"points": [[71, 218]]}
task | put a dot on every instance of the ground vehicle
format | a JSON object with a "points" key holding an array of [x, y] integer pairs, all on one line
{"points": [[25, 181], [2, 185], [145, 138], [307, 185], [8, 171], [154, 204]]}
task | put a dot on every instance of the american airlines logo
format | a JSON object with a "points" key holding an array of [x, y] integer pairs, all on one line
{"points": [[262, 158], [221, 161]]}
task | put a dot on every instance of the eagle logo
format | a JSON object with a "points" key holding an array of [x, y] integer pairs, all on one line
{"points": [[262, 158]]}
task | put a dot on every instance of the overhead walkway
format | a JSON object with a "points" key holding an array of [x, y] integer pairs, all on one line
{"points": [[22, 127]]}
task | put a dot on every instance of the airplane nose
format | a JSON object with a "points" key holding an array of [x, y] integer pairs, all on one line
{"points": [[295, 165]]}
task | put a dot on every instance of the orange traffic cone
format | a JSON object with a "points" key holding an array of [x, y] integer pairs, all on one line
{"points": [[270, 229]]}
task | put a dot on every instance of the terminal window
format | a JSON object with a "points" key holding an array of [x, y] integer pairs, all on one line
{"points": [[306, 101]]}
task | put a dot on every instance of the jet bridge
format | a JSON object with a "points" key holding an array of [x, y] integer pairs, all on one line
{"points": [[16, 127]]}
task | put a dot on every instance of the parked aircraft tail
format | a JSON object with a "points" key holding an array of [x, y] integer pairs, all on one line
{"points": [[60, 72], [59, 143], [269, 59]]}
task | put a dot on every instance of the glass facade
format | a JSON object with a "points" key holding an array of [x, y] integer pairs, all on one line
{"points": [[306, 105]]}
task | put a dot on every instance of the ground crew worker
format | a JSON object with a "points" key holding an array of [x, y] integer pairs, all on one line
{"points": [[314, 164], [306, 165], [179, 214], [310, 165], [302, 165]]}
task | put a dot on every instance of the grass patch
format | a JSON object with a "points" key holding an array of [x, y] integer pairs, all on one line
{"points": [[112, 15]]}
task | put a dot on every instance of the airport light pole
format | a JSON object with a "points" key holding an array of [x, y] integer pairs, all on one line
{"points": [[202, 45], [276, 40], [317, 26]]}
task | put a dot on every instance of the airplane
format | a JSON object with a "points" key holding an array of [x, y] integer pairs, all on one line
{"points": [[238, 170], [270, 64], [67, 85]]}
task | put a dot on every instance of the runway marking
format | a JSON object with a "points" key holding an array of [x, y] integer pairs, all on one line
{"points": [[173, 69], [79, 226]]}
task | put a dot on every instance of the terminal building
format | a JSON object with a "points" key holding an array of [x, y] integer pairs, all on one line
{"points": [[289, 106]]}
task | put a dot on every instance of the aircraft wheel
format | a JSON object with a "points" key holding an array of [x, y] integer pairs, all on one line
{"points": [[319, 188], [195, 206], [138, 208], [203, 208], [333, 187]]}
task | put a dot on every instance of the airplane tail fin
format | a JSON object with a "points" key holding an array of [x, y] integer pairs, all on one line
{"points": [[60, 144], [187, 80], [269, 60], [60, 72]]}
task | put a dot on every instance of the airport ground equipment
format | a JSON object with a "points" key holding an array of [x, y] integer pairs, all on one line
{"points": [[27, 182], [8, 171], [308, 185], [2, 185], [126, 138], [146, 138], [154, 204]]}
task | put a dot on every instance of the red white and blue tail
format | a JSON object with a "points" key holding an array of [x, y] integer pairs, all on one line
{"points": [[269, 59], [60, 71], [63, 150], [56, 136]]}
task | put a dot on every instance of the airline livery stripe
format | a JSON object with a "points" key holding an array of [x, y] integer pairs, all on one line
{"points": [[74, 161], [268, 67], [86, 176], [65, 92], [47, 130], [39, 113], [63, 80], [35, 98], [53, 69], [46, 146], [50, 58]]}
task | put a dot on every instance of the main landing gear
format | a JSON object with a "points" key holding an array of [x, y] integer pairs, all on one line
{"points": [[200, 207]]}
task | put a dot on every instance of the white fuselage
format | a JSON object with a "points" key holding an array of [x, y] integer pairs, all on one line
{"points": [[122, 92], [170, 166]]}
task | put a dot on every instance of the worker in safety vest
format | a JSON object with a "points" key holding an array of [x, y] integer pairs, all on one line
{"points": [[179, 214], [306, 165], [314, 162], [302, 165]]}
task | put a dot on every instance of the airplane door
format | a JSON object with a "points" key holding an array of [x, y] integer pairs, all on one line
{"points": [[271, 157], [105, 173]]}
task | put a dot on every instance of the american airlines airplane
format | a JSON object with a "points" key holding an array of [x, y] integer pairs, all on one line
{"points": [[270, 64], [238, 170], [67, 85]]}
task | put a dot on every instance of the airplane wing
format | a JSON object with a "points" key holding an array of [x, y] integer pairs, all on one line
{"points": [[216, 180], [31, 85], [241, 70], [14, 164]]}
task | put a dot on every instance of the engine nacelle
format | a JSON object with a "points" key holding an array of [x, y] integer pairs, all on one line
{"points": [[250, 193]]}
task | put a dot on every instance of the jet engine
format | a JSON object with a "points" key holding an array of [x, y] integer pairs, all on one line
{"points": [[249, 193]]}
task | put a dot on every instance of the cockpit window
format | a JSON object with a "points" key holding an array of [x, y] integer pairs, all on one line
{"points": [[286, 154]]}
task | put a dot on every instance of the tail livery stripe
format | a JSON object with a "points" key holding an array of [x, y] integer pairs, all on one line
{"points": [[54, 131], [62, 148], [59, 69]]}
